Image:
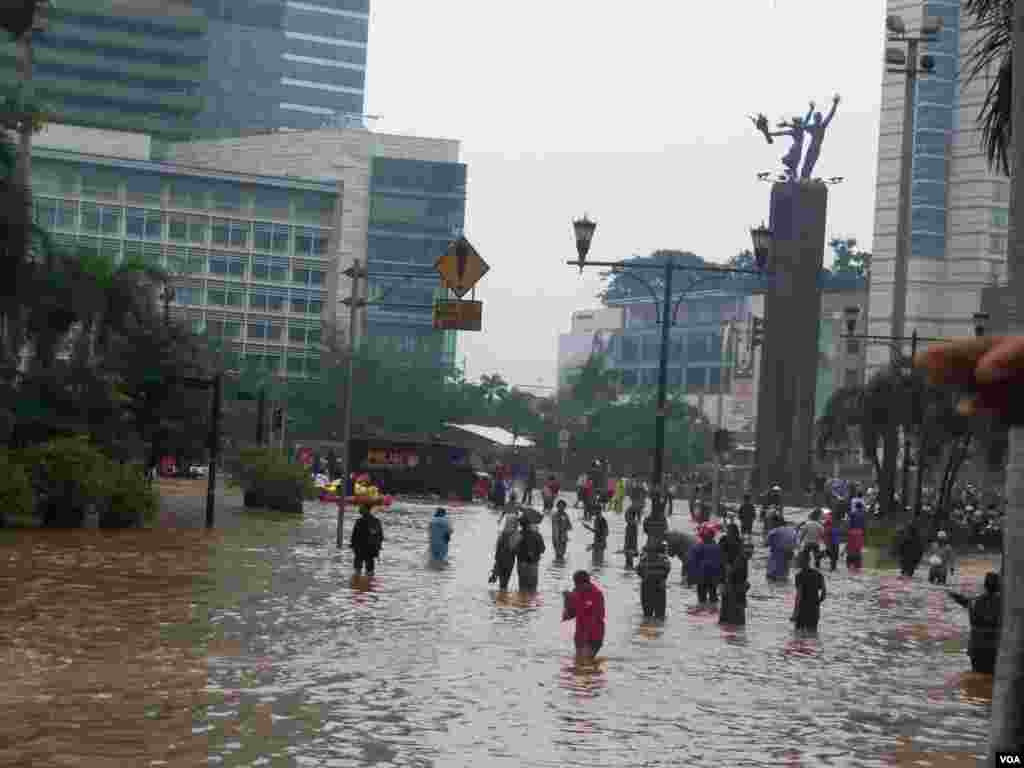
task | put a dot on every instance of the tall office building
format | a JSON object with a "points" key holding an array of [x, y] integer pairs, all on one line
{"points": [[277, 64], [960, 209], [179, 69]]}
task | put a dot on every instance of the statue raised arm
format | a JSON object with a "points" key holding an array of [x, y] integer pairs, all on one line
{"points": [[816, 128]]}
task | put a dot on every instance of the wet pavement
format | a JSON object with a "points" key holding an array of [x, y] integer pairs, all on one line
{"points": [[255, 645]]}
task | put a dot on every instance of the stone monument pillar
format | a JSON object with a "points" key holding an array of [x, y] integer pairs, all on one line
{"points": [[792, 314]]}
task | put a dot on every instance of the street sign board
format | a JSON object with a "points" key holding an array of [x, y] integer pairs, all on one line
{"points": [[458, 315], [563, 439], [461, 267]]}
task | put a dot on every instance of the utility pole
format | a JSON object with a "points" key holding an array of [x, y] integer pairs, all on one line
{"points": [[211, 474], [716, 488], [355, 302]]}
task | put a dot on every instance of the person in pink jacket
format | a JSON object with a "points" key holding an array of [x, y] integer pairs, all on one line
{"points": [[585, 604]]}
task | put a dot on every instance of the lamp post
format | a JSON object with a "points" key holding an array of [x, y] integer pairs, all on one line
{"points": [[980, 326], [896, 343], [716, 486], [655, 565]]}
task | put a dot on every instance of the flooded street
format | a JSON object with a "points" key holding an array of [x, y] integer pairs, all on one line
{"points": [[254, 645]]}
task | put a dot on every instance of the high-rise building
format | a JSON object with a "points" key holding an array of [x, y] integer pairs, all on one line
{"points": [[277, 64], [960, 208], [178, 69], [131, 65]]}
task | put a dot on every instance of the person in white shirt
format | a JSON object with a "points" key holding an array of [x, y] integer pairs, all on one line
{"points": [[811, 534]]}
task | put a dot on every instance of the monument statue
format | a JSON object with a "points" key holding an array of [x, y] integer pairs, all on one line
{"points": [[816, 129], [812, 123]]}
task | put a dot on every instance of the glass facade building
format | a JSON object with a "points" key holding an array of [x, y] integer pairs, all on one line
{"points": [[416, 209], [936, 101], [250, 255], [100, 68], [205, 67], [281, 64]]}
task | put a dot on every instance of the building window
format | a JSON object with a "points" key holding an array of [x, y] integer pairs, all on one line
{"points": [[997, 244], [271, 203], [177, 227], [297, 334], [310, 242], [303, 276], [188, 295], [231, 232], [187, 193], [101, 218], [1000, 218], [313, 366], [852, 347], [629, 349], [314, 207], [272, 238], [101, 184], [54, 214], [266, 269], [223, 264], [197, 229], [264, 329]]}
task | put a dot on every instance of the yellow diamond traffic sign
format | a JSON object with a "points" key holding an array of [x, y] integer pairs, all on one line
{"points": [[461, 267]]}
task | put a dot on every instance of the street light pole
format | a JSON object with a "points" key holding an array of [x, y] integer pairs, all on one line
{"points": [[716, 488], [915, 425], [655, 565], [354, 303]]}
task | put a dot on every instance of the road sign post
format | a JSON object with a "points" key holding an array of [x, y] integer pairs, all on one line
{"points": [[461, 267], [458, 315]]}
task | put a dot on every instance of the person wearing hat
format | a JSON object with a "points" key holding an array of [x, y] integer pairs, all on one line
{"points": [[440, 535], [986, 613], [528, 553], [940, 559], [585, 603], [560, 527], [367, 538]]}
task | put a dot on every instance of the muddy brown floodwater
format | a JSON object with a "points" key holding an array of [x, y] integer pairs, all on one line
{"points": [[254, 645]]}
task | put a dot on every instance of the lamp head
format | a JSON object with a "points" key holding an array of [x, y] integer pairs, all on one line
{"points": [[763, 239], [851, 313], [584, 229]]}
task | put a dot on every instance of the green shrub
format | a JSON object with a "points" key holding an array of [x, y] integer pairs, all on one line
{"points": [[270, 481], [130, 501], [16, 500], [68, 475]]}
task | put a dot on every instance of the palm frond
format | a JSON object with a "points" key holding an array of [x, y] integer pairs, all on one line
{"points": [[993, 52]]}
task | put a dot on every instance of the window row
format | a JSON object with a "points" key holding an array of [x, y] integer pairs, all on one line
{"points": [[271, 330], [275, 362], [266, 300], [50, 177]]}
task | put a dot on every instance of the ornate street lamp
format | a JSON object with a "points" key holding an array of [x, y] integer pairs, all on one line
{"points": [[764, 243], [584, 229], [851, 313]]}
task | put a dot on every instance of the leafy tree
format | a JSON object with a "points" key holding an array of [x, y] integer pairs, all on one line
{"points": [[593, 383], [743, 260], [847, 259], [493, 387], [991, 57]]}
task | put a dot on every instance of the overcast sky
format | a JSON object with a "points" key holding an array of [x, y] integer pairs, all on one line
{"points": [[635, 113]]}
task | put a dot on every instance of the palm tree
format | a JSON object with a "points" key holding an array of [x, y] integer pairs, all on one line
{"points": [[1001, 24], [494, 387]]}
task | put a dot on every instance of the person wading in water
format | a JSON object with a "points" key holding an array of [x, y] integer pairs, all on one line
{"points": [[560, 527], [600, 531], [986, 613], [585, 603], [505, 554], [528, 553], [810, 594]]}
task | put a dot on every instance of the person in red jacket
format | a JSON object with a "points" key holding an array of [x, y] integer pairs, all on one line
{"points": [[585, 604]]}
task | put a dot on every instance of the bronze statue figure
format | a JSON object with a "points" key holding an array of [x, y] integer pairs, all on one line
{"points": [[813, 124], [816, 129]]}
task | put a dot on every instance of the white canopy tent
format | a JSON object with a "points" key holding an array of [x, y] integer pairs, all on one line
{"points": [[496, 435]]}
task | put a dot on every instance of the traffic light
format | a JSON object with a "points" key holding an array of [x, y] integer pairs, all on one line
{"points": [[756, 332], [723, 441]]}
